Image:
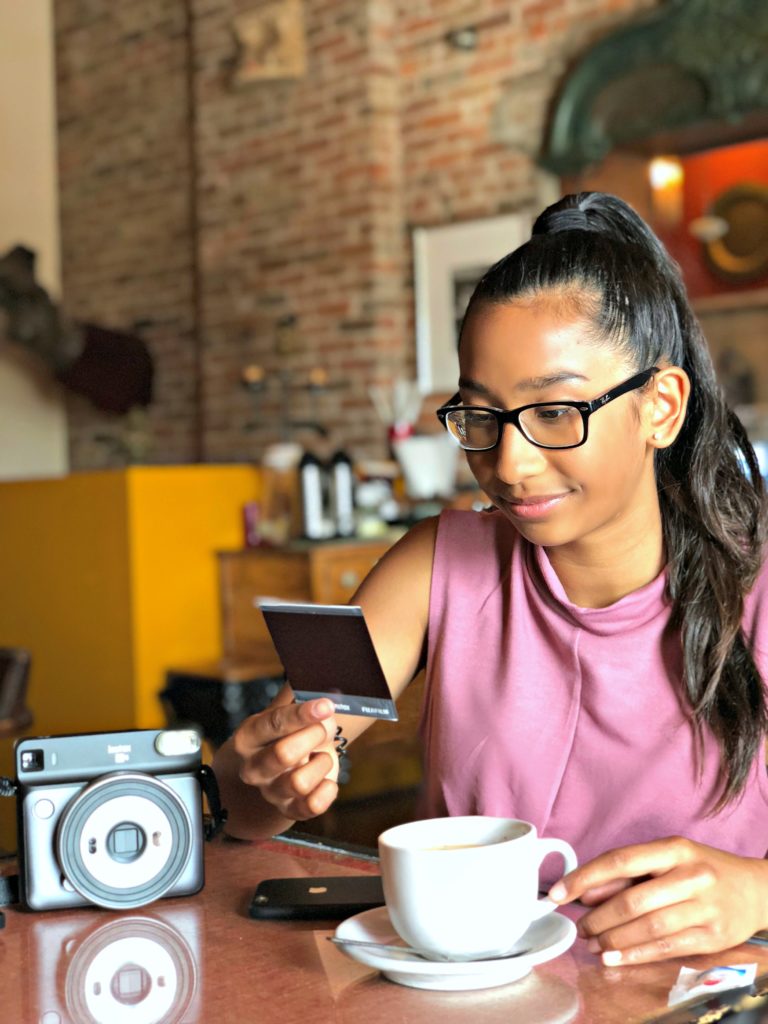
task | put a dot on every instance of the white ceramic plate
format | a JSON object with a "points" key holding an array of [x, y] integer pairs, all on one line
{"points": [[545, 939]]}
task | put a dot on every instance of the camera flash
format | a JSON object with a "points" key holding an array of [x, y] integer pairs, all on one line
{"points": [[176, 742]]}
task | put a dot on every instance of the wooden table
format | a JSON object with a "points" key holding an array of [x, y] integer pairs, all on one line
{"points": [[231, 969]]}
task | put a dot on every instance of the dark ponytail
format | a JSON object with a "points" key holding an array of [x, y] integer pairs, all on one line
{"points": [[710, 489]]}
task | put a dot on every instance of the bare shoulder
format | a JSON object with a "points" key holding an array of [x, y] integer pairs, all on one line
{"points": [[407, 565], [417, 546]]}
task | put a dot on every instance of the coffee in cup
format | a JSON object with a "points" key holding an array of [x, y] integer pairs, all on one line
{"points": [[465, 887]]}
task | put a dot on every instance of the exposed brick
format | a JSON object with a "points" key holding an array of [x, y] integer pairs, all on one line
{"points": [[305, 192]]}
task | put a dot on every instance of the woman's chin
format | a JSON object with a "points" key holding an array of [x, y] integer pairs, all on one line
{"points": [[548, 530]]}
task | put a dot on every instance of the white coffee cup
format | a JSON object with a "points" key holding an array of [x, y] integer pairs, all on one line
{"points": [[465, 887]]}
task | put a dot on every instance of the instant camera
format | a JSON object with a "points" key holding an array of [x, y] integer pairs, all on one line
{"points": [[113, 819]]}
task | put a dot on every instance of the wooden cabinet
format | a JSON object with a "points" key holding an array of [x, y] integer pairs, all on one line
{"points": [[325, 573]]}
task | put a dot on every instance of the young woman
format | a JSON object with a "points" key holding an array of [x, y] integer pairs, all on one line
{"points": [[595, 646]]}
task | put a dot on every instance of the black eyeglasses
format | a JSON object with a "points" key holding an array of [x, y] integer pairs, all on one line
{"points": [[478, 428]]}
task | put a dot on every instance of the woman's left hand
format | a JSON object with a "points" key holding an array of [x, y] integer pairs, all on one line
{"points": [[667, 898]]}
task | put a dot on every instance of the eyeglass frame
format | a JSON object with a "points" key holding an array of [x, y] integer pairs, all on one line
{"points": [[513, 415]]}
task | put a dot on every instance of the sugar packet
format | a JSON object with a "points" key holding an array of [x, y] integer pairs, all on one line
{"points": [[692, 983]]}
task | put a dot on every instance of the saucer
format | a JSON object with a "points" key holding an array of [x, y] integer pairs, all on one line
{"points": [[545, 939]]}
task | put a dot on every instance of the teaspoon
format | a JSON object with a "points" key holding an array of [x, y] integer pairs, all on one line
{"points": [[411, 953]]}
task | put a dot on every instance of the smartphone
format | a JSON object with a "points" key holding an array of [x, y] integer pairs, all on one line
{"points": [[327, 651], [302, 899]]}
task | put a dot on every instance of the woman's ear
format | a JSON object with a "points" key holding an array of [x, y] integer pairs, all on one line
{"points": [[672, 387]]}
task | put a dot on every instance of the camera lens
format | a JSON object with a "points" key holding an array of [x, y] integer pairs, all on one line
{"points": [[126, 842], [111, 859]]}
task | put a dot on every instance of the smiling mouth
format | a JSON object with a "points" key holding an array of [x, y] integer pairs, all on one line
{"points": [[536, 507]]}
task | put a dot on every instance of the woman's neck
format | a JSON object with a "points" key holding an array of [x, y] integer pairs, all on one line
{"points": [[600, 569]]}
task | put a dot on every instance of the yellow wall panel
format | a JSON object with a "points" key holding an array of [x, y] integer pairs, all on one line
{"points": [[179, 517], [65, 596], [110, 578]]}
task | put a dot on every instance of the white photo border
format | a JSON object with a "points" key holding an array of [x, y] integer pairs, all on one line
{"points": [[442, 255]]}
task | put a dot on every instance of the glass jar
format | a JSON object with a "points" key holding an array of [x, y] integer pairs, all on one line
{"points": [[280, 499]]}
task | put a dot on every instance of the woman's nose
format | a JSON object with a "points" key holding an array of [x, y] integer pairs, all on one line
{"points": [[516, 458]]}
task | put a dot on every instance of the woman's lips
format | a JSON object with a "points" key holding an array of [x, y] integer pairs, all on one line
{"points": [[537, 507]]}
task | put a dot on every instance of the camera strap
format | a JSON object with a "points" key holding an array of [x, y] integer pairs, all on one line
{"points": [[215, 821], [8, 786], [9, 890], [9, 884]]}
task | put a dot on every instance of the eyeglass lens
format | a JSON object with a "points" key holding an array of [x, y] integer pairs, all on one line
{"points": [[554, 426]]}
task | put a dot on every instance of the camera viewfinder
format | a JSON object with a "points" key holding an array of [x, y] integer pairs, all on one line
{"points": [[32, 760]]}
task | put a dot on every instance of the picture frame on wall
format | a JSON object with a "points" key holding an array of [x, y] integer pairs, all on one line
{"points": [[270, 43], [449, 260]]}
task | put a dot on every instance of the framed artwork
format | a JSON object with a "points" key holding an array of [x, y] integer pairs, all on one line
{"points": [[270, 42], [449, 260]]}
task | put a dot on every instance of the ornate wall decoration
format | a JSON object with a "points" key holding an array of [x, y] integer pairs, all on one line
{"points": [[740, 253], [270, 42], [688, 63]]}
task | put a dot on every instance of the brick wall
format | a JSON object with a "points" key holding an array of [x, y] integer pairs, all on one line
{"points": [[301, 216], [207, 214], [124, 173]]}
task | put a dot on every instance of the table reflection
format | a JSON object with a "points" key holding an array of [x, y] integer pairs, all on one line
{"points": [[538, 998], [139, 969], [203, 959]]}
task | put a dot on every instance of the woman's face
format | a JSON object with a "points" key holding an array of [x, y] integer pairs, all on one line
{"points": [[536, 351]]}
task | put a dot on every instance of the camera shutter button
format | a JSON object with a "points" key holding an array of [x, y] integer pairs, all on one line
{"points": [[44, 809]]}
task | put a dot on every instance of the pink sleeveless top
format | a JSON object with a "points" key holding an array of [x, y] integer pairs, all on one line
{"points": [[564, 716]]}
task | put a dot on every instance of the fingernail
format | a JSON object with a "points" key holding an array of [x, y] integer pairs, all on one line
{"points": [[557, 892], [322, 708], [612, 957], [593, 946]]}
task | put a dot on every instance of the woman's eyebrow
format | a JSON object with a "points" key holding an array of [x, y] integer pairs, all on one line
{"points": [[548, 380], [528, 383], [472, 385]]}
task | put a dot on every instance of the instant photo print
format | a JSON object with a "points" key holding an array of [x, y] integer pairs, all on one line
{"points": [[327, 651]]}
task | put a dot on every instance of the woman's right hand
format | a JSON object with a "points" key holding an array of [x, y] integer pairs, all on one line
{"points": [[287, 752]]}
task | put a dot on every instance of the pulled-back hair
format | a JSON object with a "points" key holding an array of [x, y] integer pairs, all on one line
{"points": [[710, 489]]}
